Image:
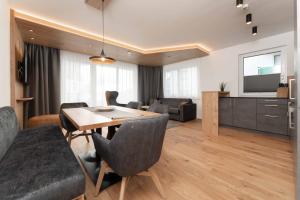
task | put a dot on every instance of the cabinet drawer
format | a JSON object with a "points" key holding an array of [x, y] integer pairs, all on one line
{"points": [[272, 123], [272, 101], [272, 109]]}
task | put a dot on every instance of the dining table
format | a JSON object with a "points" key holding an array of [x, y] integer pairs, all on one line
{"points": [[96, 118]]}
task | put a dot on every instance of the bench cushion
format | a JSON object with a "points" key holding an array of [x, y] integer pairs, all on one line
{"points": [[8, 129], [40, 165]]}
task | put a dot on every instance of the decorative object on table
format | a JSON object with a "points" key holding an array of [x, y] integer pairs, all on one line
{"points": [[283, 90], [104, 109], [222, 86]]}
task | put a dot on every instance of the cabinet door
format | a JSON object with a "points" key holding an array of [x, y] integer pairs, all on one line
{"points": [[244, 113], [225, 111]]}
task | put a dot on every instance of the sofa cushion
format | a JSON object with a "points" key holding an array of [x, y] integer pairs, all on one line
{"points": [[8, 129], [40, 165], [173, 110], [174, 102]]}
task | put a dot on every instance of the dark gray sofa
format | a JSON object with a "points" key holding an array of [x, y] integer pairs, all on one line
{"points": [[180, 109], [36, 163]]}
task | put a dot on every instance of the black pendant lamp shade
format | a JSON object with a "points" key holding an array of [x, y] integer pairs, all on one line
{"points": [[102, 59], [249, 18], [239, 3], [254, 30]]}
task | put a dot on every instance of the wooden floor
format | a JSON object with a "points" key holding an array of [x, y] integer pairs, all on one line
{"points": [[239, 164]]}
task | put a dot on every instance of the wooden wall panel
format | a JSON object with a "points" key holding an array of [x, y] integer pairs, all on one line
{"points": [[17, 53]]}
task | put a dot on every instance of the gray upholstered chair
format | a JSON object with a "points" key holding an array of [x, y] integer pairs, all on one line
{"points": [[111, 98], [134, 149], [134, 105], [67, 124], [158, 108]]}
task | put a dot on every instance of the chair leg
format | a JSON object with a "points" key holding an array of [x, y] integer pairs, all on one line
{"points": [[111, 132], [157, 182], [70, 138], [123, 187], [86, 137], [100, 178], [67, 134]]}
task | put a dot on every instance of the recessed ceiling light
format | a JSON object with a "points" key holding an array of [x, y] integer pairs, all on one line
{"points": [[239, 3], [129, 53], [30, 30], [254, 30], [32, 38], [249, 18]]}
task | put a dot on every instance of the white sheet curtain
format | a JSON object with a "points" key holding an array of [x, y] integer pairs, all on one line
{"points": [[181, 80], [83, 81]]}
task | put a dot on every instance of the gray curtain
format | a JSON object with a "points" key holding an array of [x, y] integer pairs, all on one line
{"points": [[43, 70], [150, 83]]}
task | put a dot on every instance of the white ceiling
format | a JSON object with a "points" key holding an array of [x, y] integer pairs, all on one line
{"points": [[159, 23]]}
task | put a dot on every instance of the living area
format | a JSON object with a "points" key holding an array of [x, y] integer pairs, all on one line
{"points": [[103, 99]]}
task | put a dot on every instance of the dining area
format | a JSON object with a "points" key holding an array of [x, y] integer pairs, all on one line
{"points": [[127, 142]]}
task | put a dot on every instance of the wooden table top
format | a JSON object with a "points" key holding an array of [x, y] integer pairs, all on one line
{"points": [[84, 119]]}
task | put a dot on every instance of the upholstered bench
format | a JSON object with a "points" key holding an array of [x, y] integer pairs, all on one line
{"points": [[36, 163]]}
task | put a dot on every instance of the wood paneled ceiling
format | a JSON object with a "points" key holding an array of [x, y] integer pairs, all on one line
{"points": [[45, 33]]}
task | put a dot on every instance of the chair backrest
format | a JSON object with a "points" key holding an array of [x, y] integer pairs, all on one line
{"points": [[65, 122], [158, 108], [134, 105], [111, 98], [9, 128], [137, 145]]}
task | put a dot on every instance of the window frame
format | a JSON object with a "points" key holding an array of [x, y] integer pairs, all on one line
{"points": [[283, 76]]}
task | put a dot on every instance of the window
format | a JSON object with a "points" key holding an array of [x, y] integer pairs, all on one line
{"points": [[181, 80], [261, 72], [83, 81]]}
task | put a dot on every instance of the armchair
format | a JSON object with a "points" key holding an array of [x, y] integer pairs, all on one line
{"points": [[111, 98]]}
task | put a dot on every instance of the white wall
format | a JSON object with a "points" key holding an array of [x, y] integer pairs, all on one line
{"points": [[222, 65], [4, 53]]}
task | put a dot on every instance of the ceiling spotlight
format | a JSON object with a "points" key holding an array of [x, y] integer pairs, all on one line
{"points": [[239, 3], [30, 30], [254, 30], [129, 53], [32, 38], [249, 18]]}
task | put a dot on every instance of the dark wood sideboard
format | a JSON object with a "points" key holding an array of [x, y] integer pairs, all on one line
{"points": [[262, 114]]}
